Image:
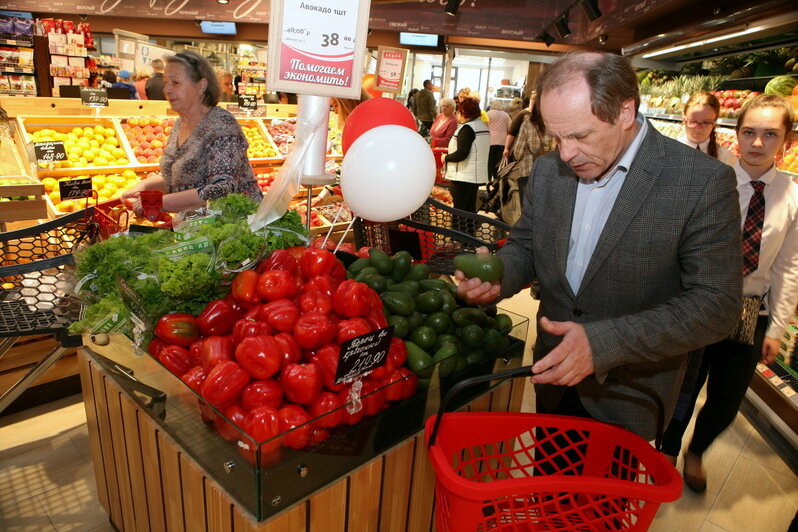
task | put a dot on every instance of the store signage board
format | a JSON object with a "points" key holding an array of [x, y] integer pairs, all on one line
{"points": [[390, 69], [362, 354], [319, 46], [75, 188], [248, 101], [49, 152], [94, 97]]}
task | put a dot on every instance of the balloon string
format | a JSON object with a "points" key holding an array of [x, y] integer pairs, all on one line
{"points": [[335, 221], [346, 231]]}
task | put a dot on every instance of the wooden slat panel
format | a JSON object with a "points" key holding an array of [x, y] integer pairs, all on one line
{"points": [[94, 431], [113, 397], [138, 486], [328, 509], [109, 454], [500, 397], [218, 507], [422, 492], [170, 481], [292, 520], [480, 404], [148, 434], [396, 488], [364, 497], [517, 394], [66, 366], [192, 481]]}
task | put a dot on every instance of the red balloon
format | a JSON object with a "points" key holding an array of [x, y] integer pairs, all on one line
{"points": [[367, 83], [373, 113]]}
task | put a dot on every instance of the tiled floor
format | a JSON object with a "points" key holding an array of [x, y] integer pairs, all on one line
{"points": [[47, 481]]}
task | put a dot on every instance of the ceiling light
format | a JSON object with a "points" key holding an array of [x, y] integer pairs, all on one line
{"points": [[546, 38], [562, 26], [703, 42], [591, 9], [451, 7]]}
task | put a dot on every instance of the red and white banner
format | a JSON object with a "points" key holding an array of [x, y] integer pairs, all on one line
{"points": [[390, 69]]}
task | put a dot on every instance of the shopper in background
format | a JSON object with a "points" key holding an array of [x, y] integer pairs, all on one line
{"points": [[445, 124], [140, 82], [206, 154], [225, 85], [343, 107], [623, 298], [154, 86], [108, 79], [515, 124], [123, 82], [768, 203], [516, 106], [411, 101], [467, 160], [498, 123], [425, 105], [700, 115], [93, 81]]}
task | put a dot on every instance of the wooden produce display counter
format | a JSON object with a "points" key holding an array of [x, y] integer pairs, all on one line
{"points": [[157, 468]]}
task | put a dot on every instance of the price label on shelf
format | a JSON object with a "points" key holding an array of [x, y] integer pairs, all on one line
{"points": [[362, 354], [248, 101], [49, 152], [390, 69], [319, 46], [75, 188], [94, 97]]}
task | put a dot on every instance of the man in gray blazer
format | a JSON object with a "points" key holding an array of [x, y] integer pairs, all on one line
{"points": [[635, 241]]}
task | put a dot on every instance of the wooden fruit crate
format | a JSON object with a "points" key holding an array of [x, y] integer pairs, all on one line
{"points": [[22, 209]]}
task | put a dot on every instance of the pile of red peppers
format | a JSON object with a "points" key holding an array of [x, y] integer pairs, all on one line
{"points": [[265, 356]]}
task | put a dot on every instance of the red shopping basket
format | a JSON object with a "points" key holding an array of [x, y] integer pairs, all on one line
{"points": [[522, 472]]}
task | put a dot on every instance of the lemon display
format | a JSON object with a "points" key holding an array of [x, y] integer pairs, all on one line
{"points": [[258, 145], [87, 146]]}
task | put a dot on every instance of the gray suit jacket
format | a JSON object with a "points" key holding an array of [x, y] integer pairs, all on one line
{"points": [[665, 277]]}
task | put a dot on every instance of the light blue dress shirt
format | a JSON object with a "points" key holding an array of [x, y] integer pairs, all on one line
{"points": [[594, 201]]}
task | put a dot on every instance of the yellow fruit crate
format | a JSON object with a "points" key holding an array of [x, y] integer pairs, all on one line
{"points": [[21, 209], [107, 185], [90, 142], [147, 137], [254, 127]]}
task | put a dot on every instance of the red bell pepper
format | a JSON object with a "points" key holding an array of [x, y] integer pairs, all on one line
{"points": [[178, 328], [351, 299], [245, 328], [397, 352], [411, 382], [267, 392], [244, 287], [349, 418], [315, 301], [319, 435], [326, 410], [373, 396], [215, 349], [295, 419], [194, 378], [316, 261], [263, 424], [313, 330], [352, 328], [224, 383], [363, 252], [195, 351], [280, 259], [377, 319], [155, 346], [321, 283], [296, 252], [327, 358], [229, 428], [281, 314], [260, 356], [238, 307], [176, 359], [276, 284], [338, 271], [301, 382], [292, 354], [217, 318], [395, 387], [375, 300]]}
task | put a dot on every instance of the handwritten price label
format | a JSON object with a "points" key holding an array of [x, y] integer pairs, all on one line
{"points": [[49, 152], [93, 97], [74, 188], [248, 101], [362, 354]]}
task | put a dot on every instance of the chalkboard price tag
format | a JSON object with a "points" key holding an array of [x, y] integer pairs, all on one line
{"points": [[362, 354], [94, 97], [248, 101], [75, 188], [49, 152]]}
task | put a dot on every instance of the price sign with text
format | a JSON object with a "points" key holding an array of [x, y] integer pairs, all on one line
{"points": [[390, 69], [94, 97], [248, 101], [362, 354], [75, 188], [49, 152], [319, 46]]}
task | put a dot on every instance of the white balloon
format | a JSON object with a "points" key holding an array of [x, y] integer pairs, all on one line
{"points": [[387, 173]]}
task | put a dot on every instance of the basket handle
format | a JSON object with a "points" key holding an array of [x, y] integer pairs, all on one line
{"points": [[526, 371]]}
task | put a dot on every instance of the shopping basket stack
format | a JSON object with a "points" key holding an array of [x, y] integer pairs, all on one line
{"points": [[435, 234]]}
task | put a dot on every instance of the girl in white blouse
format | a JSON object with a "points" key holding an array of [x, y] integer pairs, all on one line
{"points": [[700, 115]]}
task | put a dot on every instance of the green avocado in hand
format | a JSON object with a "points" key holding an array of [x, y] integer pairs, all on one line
{"points": [[481, 265]]}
